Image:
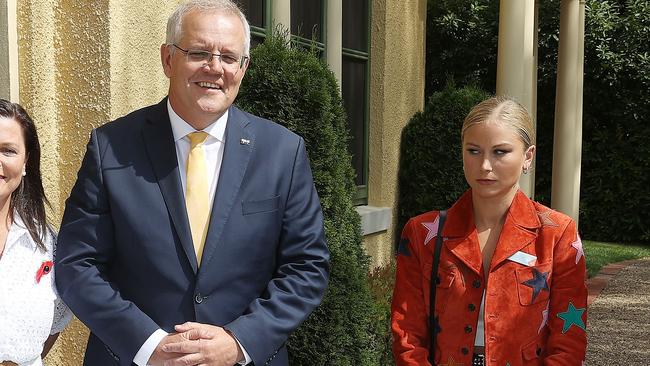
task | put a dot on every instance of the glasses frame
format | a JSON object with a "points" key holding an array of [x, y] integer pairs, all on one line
{"points": [[242, 59]]}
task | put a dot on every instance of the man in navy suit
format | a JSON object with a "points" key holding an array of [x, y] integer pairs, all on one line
{"points": [[194, 234]]}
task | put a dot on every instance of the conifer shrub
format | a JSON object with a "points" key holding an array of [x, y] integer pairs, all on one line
{"points": [[293, 87], [431, 164]]}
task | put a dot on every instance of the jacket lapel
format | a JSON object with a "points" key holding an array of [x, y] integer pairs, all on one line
{"points": [[159, 144], [519, 229], [460, 233], [240, 142]]}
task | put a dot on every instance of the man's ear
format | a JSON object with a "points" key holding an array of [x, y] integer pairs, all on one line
{"points": [[166, 59]]}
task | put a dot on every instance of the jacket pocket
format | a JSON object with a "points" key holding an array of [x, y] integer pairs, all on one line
{"points": [[446, 277], [260, 206], [534, 350], [534, 283]]}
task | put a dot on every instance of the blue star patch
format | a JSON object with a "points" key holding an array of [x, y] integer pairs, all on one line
{"points": [[538, 283], [436, 326], [403, 247]]}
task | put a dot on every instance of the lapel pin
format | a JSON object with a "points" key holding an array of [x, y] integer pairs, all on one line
{"points": [[244, 142]]}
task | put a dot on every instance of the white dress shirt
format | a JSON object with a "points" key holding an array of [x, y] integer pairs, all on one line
{"points": [[30, 309], [213, 148]]}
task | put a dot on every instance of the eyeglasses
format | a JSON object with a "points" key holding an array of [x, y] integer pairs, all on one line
{"points": [[228, 61]]}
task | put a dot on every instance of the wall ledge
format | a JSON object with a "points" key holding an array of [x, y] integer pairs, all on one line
{"points": [[374, 219]]}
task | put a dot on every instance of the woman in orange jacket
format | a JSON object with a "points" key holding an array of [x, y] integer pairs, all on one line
{"points": [[510, 286]]}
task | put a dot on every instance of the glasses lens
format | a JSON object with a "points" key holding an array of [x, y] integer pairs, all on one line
{"points": [[198, 56]]}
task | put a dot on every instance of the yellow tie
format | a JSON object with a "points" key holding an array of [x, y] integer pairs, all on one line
{"points": [[196, 197]]}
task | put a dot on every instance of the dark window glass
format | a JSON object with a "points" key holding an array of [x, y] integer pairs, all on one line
{"points": [[255, 40], [307, 18], [254, 11], [353, 89], [355, 24]]}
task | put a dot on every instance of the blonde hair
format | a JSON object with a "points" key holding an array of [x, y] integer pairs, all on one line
{"points": [[505, 110], [175, 21]]}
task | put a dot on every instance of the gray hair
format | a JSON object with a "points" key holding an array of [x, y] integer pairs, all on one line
{"points": [[175, 21]]}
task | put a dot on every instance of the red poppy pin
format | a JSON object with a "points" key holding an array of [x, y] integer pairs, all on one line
{"points": [[46, 267]]}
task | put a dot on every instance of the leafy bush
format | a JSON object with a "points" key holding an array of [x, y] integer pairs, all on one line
{"points": [[382, 281], [431, 166], [294, 88], [461, 44]]}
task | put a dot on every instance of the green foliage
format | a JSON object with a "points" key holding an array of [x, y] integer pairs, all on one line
{"points": [[431, 168], [616, 100], [382, 281], [461, 43], [294, 88]]}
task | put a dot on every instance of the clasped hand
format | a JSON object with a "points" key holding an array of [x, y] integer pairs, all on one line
{"points": [[197, 344]]}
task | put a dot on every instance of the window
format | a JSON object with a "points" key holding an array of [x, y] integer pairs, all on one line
{"points": [[355, 87]]}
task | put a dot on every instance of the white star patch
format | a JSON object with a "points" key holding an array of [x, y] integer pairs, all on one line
{"points": [[578, 247], [544, 319], [433, 229]]}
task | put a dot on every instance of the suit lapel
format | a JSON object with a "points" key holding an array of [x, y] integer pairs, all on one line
{"points": [[240, 142], [159, 144]]}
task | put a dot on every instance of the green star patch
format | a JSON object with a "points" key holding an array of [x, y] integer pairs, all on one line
{"points": [[572, 316]]}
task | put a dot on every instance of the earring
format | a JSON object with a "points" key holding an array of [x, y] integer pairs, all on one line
{"points": [[525, 170], [24, 173]]}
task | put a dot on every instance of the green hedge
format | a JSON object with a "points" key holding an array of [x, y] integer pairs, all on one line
{"points": [[294, 88], [431, 165]]}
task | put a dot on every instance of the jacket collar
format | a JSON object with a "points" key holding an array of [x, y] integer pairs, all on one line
{"points": [[519, 229]]}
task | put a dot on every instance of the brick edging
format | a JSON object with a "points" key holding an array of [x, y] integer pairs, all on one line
{"points": [[597, 284]]}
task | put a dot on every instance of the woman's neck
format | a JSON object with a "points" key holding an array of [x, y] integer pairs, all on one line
{"points": [[490, 213]]}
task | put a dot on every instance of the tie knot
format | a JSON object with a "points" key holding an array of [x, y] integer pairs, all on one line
{"points": [[197, 138]]}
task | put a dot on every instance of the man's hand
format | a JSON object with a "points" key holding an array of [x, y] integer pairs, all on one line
{"points": [[203, 344], [158, 357]]}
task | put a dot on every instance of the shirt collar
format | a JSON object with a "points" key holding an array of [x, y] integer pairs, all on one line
{"points": [[180, 128], [16, 231]]}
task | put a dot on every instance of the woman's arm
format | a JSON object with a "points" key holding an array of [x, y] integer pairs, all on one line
{"points": [[49, 342]]}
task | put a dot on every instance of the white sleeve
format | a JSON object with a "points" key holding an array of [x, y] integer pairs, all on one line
{"points": [[144, 353]]}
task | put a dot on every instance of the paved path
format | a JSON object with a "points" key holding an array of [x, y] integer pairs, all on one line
{"points": [[619, 315]]}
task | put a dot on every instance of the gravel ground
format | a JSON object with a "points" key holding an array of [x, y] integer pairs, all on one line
{"points": [[619, 320]]}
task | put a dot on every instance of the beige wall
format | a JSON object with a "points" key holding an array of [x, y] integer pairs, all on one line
{"points": [[84, 63], [396, 93]]}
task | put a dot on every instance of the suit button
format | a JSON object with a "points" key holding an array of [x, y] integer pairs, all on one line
{"points": [[476, 283], [468, 329], [198, 298], [471, 307], [464, 350]]}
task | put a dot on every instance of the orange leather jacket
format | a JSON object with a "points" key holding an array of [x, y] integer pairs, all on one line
{"points": [[535, 307]]}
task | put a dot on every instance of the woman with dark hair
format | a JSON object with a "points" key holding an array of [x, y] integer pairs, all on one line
{"points": [[498, 279], [31, 312]]}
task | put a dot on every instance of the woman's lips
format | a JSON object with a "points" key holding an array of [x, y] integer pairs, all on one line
{"points": [[486, 182]]}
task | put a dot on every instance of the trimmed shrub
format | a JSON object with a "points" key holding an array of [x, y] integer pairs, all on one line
{"points": [[431, 164], [294, 88]]}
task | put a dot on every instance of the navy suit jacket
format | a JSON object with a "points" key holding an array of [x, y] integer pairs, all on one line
{"points": [[125, 262]]}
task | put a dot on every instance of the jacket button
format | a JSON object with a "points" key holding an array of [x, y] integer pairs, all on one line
{"points": [[468, 329], [198, 298], [471, 307], [464, 350], [476, 283]]}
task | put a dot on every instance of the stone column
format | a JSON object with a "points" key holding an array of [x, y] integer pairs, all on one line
{"points": [[567, 145], [9, 86], [281, 14], [334, 37], [517, 62]]}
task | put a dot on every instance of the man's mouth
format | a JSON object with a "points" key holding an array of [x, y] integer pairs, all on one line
{"points": [[208, 85]]}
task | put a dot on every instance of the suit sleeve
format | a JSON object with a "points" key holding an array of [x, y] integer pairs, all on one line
{"points": [[567, 342], [408, 309], [301, 275], [84, 253]]}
